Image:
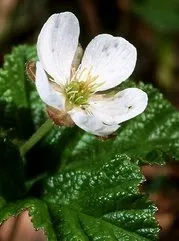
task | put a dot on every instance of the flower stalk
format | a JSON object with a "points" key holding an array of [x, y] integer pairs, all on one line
{"points": [[36, 137]]}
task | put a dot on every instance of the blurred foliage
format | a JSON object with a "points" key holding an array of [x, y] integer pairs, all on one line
{"points": [[162, 15]]}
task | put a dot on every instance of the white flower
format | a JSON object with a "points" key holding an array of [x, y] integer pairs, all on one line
{"points": [[74, 88]]}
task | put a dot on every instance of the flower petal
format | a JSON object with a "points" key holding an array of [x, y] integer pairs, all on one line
{"points": [[50, 96], [111, 59], [123, 106], [91, 123], [57, 44]]}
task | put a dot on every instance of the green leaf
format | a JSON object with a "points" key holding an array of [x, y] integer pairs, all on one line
{"points": [[152, 137], [20, 106], [156, 130], [12, 181], [38, 212], [96, 192], [101, 202], [94, 195]]}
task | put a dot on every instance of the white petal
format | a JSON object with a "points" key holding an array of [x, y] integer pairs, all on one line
{"points": [[91, 123], [57, 44], [111, 59], [46, 92], [123, 106]]}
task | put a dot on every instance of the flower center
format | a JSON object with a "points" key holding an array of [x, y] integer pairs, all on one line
{"points": [[77, 93], [80, 88]]}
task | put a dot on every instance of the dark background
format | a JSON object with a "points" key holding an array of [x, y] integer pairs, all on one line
{"points": [[153, 27]]}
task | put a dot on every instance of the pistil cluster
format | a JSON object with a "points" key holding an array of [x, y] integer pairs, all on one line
{"points": [[78, 91]]}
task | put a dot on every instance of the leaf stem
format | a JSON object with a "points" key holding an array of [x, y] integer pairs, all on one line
{"points": [[37, 136]]}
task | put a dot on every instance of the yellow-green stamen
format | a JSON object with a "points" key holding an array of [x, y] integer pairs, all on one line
{"points": [[79, 89], [77, 93]]}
